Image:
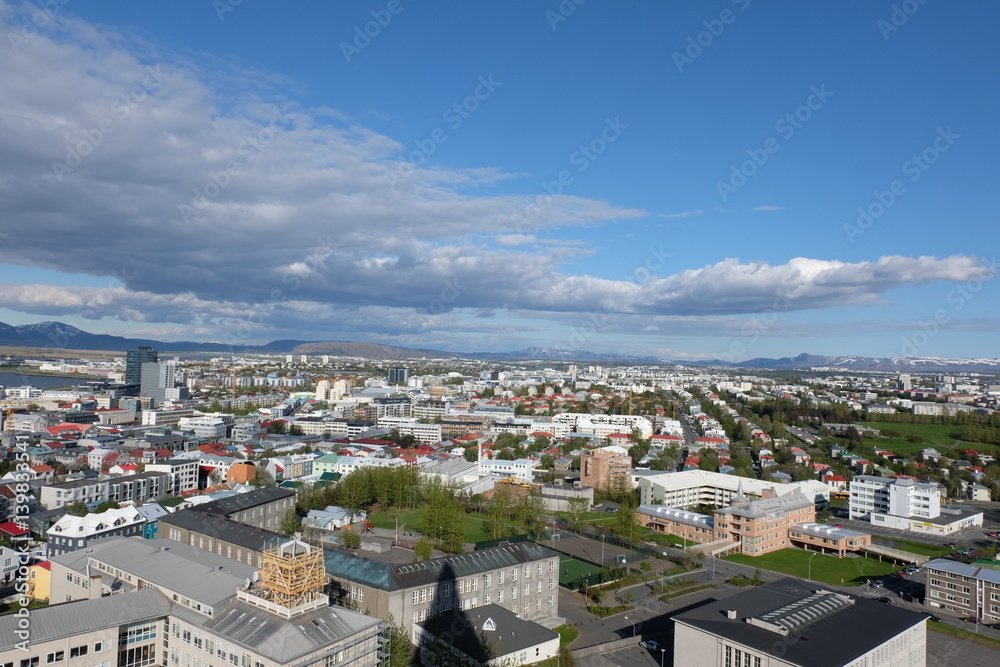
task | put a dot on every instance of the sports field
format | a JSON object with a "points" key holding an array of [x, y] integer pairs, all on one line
{"points": [[571, 569]]}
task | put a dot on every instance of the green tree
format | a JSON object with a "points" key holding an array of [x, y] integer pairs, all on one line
{"points": [[397, 643], [350, 539], [578, 510], [105, 506], [530, 513], [625, 523], [78, 508], [423, 549], [290, 523], [498, 512], [263, 478]]}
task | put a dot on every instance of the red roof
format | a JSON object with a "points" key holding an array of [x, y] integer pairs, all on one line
{"points": [[45, 565], [42, 468], [12, 529], [834, 478]]}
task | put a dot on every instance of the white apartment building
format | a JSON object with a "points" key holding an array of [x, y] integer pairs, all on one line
{"points": [[521, 468], [904, 504], [183, 473], [427, 434], [604, 425]]}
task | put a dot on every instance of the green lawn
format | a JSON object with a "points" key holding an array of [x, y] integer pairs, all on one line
{"points": [[473, 525], [828, 569], [930, 550], [567, 633], [939, 436], [967, 635]]}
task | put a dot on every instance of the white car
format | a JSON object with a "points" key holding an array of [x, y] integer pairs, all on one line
{"points": [[652, 646]]}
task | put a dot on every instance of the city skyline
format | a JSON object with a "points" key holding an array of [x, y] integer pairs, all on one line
{"points": [[688, 181]]}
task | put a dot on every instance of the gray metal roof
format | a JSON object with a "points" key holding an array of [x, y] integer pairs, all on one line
{"points": [[195, 573], [387, 577], [759, 508], [244, 501], [249, 537], [276, 638], [75, 618], [510, 633], [964, 569]]}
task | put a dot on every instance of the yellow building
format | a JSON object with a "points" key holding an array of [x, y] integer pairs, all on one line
{"points": [[40, 581]]}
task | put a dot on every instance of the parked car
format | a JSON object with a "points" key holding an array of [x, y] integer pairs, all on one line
{"points": [[878, 583], [610, 509], [651, 645], [883, 599], [912, 570]]}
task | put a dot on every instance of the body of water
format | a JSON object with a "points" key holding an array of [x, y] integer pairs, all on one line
{"points": [[40, 381]]}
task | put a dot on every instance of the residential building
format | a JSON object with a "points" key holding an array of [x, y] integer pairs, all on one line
{"points": [[263, 507], [681, 523], [966, 589], [71, 533], [523, 469], [606, 467], [87, 491], [427, 434], [522, 577], [792, 623], [229, 539], [183, 474]]}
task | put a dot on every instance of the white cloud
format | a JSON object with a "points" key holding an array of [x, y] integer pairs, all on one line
{"points": [[516, 239]]}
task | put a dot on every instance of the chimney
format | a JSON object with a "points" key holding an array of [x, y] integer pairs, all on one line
{"points": [[731, 614]]}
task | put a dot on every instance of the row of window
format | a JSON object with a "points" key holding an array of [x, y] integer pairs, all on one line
{"points": [[735, 657], [210, 646]]}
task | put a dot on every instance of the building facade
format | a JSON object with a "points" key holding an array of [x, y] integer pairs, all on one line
{"points": [[606, 467], [970, 590]]}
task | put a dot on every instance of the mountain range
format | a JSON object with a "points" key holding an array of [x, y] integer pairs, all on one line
{"points": [[57, 335]]}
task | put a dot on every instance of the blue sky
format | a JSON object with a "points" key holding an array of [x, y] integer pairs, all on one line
{"points": [[713, 157]]}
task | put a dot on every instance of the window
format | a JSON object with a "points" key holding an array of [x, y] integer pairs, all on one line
{"points": [[58, 656], [500, 596], [186, 636], [414, 597], [513, 592], [550, 583], [196, 639], [525, 609], [550, 600], [209, 645], [552, 566], [101, 646], [538, 604], [134, 633], [486, 598], [500, 577], [446, 590], [513, 574], [30, 662], [527, 571], [487, 580], [220, 650], [527, 589], [538, 586], [78, 651]]}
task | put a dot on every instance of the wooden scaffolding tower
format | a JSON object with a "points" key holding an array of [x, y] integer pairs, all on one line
{"points": [[293, 573]]}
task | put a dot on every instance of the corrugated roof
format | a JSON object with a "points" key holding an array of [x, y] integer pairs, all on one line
{"points": [[279, 639], [75, 618], [396, 577]]}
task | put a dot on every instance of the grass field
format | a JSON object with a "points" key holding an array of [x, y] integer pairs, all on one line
{"points": [[571, 569], [930, 550], [567, 633], [941, 437], [828, 569], [473, 525], [665, 539]]}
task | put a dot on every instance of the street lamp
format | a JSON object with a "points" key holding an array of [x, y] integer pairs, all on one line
{"points": [[810, 569], [633, 625], [602, 549], [662, 651], [396, 516]]}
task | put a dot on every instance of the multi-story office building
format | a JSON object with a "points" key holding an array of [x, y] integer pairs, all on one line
{"points": [[606, 467], [397, 375], [156, 378], [178, 605], [760, 526], [971, 590], [904, 504], [392, 406], [427, 434], [521, 577], [134, 359], [701, 487]]}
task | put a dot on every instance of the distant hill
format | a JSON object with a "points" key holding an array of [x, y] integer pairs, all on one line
{"points": [[60, 336]]}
